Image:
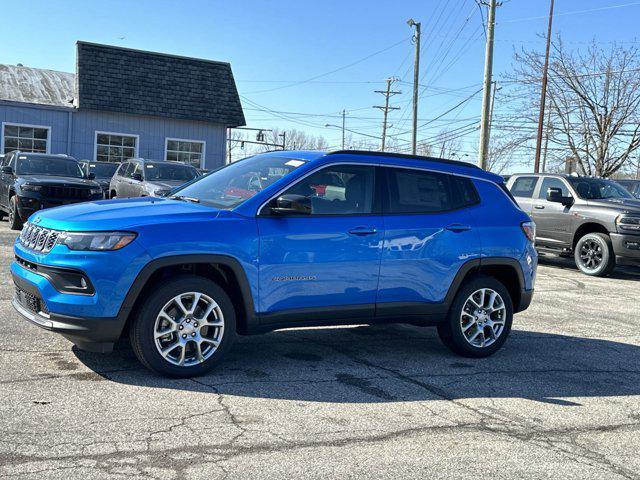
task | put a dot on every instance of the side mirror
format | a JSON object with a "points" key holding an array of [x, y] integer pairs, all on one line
{"points": [[91, 176], [137, 176], [7, 169], [554, 194], [292, 205]]}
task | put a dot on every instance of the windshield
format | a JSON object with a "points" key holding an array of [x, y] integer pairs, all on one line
{"points": [[169, 171], [597, 188], [103, 170], [56, 166], [230, 186]]}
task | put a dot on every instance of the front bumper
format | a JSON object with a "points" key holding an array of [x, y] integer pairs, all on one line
{"points": [[626, 246], [97, 334]]}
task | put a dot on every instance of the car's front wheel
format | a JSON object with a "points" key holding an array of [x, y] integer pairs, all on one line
{"points": [[184, 327], [594, 255], [479, 319], [15, 222]]}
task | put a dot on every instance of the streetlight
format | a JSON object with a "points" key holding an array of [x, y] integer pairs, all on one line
{"points": [[327, 125]]}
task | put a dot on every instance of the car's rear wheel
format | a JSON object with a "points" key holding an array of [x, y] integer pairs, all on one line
{"points": [[15, 222], [184, 327], [594, 255], [479, 319]]}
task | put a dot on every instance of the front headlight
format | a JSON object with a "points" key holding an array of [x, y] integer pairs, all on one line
{"points": [[95, 191], [161, 192], [31, 188], [97, 241], [628, 222]]}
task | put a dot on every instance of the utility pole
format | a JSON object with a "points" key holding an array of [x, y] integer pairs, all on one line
{"points": [[284, 139], [228, 146], [387, 94], [485, 128], [543, 93], [343, 121], [416, 76], [546, 142]]}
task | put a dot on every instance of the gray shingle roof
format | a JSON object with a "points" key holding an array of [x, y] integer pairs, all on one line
{"points": [[146, 83], [35, 85]]}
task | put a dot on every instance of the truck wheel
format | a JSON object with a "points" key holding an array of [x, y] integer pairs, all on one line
{"points": [[15, 223], [184, 327], [479, 319], [594, 255]]}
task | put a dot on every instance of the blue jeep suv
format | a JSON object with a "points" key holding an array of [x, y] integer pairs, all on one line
{"points": [[282, 239]]}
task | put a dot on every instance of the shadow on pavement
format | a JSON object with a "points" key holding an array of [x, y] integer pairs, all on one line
{"points": [[396, 363], [621, 272]]}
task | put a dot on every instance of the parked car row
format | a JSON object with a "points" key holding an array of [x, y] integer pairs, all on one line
{"points": [[34, 181], [595, 220]]}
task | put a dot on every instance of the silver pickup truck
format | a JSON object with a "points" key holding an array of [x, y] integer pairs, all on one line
{"points": [[594, 219]]}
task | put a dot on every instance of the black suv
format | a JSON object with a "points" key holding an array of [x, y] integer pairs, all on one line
{"points": [[594, 219], [33, 181], [102, 173]]}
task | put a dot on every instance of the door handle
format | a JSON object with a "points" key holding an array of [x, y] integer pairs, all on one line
{"points": [[458, 227], [539, 207], [363, 231]]}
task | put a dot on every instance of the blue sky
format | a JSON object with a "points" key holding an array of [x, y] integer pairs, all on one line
{"points": [[276, 47]]}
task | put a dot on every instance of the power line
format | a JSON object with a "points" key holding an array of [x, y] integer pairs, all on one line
{"points": [[575, 12], [293, 84]]}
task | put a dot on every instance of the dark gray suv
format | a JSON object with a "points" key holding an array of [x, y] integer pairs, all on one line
{"points": [[138, 177], [594, 219]]}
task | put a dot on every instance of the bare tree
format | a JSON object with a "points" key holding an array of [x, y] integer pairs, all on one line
{"points": [[594, 100], [295, 140]]}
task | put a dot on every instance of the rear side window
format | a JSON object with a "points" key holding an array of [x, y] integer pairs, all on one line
{"points": [[414, 191], [524, 187]]}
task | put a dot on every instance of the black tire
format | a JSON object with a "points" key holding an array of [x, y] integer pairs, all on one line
{"points": [[112, 195], [594, 255], [15, 222], [450, 331], [143, 326]]}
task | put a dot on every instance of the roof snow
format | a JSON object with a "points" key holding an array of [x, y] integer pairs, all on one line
{"points": [[35, 85]]}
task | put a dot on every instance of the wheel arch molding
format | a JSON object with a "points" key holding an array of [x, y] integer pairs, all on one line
{"points": [[504, 269], [246, 318]]}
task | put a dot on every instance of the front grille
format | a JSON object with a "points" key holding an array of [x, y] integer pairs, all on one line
{"points": [[31, 302], [77, 193], [38, 238]]}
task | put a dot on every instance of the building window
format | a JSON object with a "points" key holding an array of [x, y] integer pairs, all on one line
{"points": [[187, 151], [26, 138], [115, 147]]}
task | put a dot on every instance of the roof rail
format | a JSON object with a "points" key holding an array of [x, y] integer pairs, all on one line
{"points": [[405, 155]]}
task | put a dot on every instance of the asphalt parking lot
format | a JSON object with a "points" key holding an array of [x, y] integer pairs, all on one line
{"points": [[560, 400]]}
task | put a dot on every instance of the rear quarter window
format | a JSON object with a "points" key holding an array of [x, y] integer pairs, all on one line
{"points": [[524, 187]]}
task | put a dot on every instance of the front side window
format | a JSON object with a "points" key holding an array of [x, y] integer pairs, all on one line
{"points": [[338, 190], [185, 151], [48, 165], [597, 188], [230, 186], [168, 171], [524, 187], [550, 182], [115, 148], [416, 192], [25, 139]]}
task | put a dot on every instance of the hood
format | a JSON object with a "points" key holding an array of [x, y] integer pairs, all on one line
{"points": [[121, 214], [61, 181], [622, 204]]}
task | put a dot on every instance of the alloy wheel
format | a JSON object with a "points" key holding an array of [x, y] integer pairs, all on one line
{"points": [[189, 329], [482, 319], [591, 254]]}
